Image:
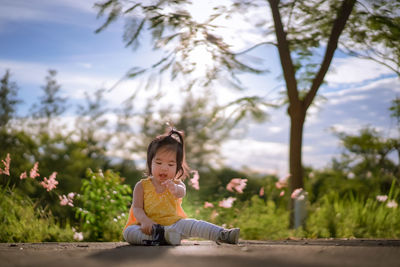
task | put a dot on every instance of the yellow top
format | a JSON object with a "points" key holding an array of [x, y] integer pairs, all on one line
{"points": [[163, 208]]}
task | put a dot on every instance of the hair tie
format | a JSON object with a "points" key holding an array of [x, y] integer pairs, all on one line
{"points": [[180, 138], [173, 131]]}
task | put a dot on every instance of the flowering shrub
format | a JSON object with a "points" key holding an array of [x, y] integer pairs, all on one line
{"points": [[100, 209], [103, 201], [102, 206]]}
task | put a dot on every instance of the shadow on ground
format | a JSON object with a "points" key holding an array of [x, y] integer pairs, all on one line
{"points": [[189, 255], [129, 253]]}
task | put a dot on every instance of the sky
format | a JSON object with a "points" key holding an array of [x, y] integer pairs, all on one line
{"points": [[40, 35]]}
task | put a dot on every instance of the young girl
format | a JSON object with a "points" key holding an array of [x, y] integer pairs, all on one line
{"points": [[156, 213]]}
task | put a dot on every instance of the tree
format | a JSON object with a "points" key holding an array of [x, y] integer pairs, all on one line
{"points": [[368, 150], [51, 104], [302, 30], [8, 100], [92, 126]]}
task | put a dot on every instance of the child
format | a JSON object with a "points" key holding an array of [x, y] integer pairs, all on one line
{"points": [[156, 216]]}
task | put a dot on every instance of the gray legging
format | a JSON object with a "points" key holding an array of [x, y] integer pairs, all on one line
{"points": [[185, 227]]}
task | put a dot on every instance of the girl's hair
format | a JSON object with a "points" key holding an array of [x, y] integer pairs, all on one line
{"points": [[172, 140]]}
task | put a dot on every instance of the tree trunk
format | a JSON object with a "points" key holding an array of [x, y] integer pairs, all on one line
{"points": [[297, 115], [398, 153]]}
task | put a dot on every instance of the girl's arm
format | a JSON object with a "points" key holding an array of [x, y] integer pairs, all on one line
{"points": [[146, 223]]}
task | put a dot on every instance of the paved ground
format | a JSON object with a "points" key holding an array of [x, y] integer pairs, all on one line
{"points": [[318, 252]]}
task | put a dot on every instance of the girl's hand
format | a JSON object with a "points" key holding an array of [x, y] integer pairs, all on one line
{"points": [[171, 186], [147, 226]]}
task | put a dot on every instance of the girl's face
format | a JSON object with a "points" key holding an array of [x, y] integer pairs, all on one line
{"points": [[163, 165]]}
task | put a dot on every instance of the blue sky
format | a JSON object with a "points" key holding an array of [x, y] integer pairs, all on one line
{"points": [[40, 35]]}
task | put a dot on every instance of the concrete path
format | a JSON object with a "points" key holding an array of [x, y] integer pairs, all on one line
{"points": [[318, 252]]}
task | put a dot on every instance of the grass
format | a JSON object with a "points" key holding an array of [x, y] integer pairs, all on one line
{"points": [[329, 217], [354, 217], [20, 221]]}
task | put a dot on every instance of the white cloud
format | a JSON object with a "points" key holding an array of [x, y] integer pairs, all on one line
{"points": [[86, 6], [312, 115], [45, 10], [346, 99], [25, 72], [85, 65], [275, 129], [353, 70], [258, 155], [350, 126], [353, 94], [35, 72], [74, 81]]}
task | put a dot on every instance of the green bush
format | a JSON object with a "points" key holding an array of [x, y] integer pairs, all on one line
{"points": [[102, 206]]}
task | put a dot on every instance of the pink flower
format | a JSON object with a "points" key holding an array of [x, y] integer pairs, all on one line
{"points": [[391, 204], [23, 176], [281, 184], [296, 193], [50, 183], [208, 205], [227, 202], [382, 198], [238, 184], [282, 193], [351, 175], [34, 171], [67, 200], [63, 200], [261, 193], [78, 236], [194, 182], [6, 163]]}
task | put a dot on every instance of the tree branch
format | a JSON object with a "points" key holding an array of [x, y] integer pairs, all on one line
{"points": [[253, 47], [284, 54], [290, 16], [337, 29]]}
